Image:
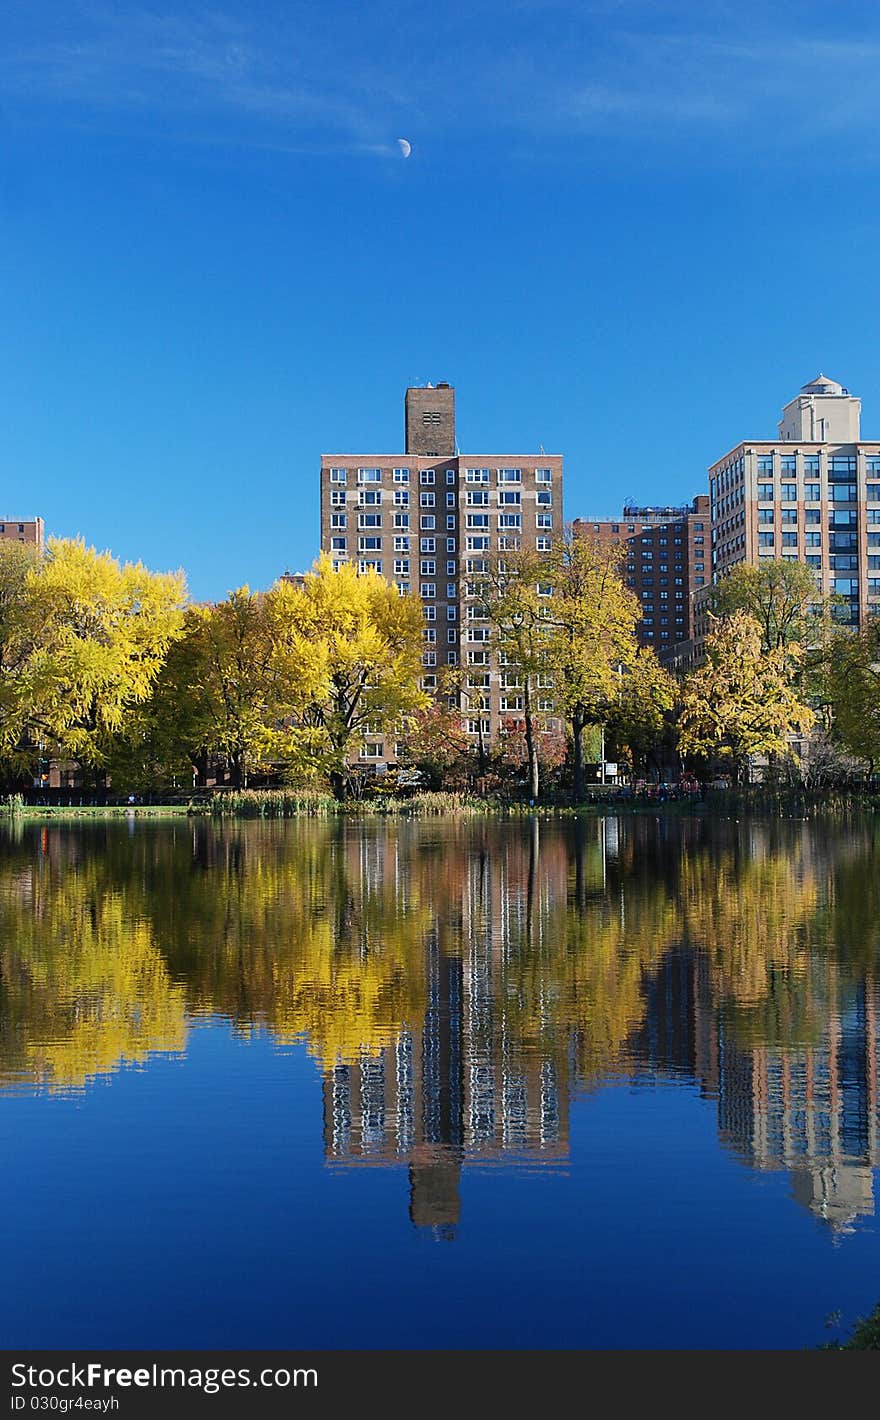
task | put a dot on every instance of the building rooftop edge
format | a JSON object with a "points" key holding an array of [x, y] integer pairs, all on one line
{"points": [[792, 445], [443, 458]]}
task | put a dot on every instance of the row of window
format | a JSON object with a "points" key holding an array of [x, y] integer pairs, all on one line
{"points": [[339, 545], [836, 517], [428, 475], [477, 498]]}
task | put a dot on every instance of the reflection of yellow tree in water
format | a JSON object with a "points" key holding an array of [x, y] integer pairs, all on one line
{"points": [[307, 931], [83, 988], [753, 913], [324, 932], [588, 982], [770, 915]]}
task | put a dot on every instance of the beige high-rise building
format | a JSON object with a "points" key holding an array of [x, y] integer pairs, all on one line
{"points": [[429, 520], [812, 494]]}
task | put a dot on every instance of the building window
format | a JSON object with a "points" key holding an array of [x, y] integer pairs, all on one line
{"points": [[426, 475], [338, 475]]}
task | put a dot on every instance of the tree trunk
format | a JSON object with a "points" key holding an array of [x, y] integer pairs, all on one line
{"points": [[338, 784], [577, 731], [482, 759], [239, 769], [532, 749]]}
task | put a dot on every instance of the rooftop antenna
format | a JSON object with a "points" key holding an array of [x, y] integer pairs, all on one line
{"points": [[542, 448]]}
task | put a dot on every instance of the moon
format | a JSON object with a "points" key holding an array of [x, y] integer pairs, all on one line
{"points": [[405, 146]]}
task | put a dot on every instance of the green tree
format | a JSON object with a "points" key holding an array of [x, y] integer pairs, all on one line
{"points": [[782, 596], [742, 701], [854, 691], [637, 717], [514, 596]]}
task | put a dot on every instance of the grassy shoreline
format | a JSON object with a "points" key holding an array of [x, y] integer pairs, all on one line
{"points": [[277, 804], [94, 811]]}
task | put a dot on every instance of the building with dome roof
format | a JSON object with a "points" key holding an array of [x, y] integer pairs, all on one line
{"points": [[812, 495]]}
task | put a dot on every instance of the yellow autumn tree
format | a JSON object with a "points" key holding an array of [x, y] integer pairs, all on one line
{"points": [[743, 700], [233, 682], [369, 641], [593, 618], [93, 634]]}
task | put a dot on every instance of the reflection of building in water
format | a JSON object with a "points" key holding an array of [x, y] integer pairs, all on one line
{"points": [[519, 1012], [811, 1109], [464, 1087]]}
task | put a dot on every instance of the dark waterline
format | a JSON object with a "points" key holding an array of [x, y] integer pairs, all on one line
{"points": [[392, 1084]]}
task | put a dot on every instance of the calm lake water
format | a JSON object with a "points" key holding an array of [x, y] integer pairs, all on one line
{"points": [[452, 1084]]}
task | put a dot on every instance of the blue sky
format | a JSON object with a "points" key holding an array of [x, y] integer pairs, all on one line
{"points": [[627, 231]]}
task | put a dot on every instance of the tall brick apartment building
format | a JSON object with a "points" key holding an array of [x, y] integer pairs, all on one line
{"points": [[429, 520], [669, 559]]}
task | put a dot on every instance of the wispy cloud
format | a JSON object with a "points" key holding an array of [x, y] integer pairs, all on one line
{"points": [[338, 77]]}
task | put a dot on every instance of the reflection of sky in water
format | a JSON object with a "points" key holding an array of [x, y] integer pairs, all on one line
{"points": [[317, 1047]]}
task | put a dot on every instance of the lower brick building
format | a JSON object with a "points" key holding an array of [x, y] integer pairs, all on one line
{"points": [[29, 530], [668, 560]]}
